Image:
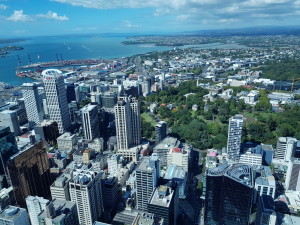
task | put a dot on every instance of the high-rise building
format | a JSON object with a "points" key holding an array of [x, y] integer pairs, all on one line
{"points": [[29, 172], [179, 157], [234, 137], [13, 215], [160, 131], [33, 103], [47, 130], [85, 191], [56, 98], [35, 205], [9, 118], [108, 99], [8, 147], [128, 127], [147, 174], [164, 203], [59, 212], [90, 121], [110, 191], [292, 181], [229, 195], [265, 211], [6, 197], [265, 184], [285, 148]]}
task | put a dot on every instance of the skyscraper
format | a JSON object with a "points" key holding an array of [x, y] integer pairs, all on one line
{"points": [[234, 137], [56, 98], [90, 121], [160, 131], [8, 147], [33, 103], [29, 172], [9, 118], [147, 174], [229, 195], [128, 127], [285, 148], [47, 130], [85, 191]]}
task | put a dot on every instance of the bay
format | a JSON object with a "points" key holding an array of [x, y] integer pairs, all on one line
{"points": [[44, 49]]}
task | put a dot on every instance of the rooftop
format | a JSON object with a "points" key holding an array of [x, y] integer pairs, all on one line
{"points": [[174, 171], [162, 196], [168, 142], [11, 212]]}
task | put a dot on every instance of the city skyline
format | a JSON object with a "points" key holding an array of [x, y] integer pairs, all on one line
{"points": [[53, 17]]}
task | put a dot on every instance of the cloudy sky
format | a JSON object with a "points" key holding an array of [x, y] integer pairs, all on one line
{"points": [[52, 17]]}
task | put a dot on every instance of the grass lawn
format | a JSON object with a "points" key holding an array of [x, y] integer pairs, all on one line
{"points": [[148, 118]]}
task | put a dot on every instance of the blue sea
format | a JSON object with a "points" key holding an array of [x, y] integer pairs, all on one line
{"points": [[44, 49]]}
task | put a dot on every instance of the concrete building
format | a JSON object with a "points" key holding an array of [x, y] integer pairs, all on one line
{"points": [[160, 131], [128, 127], [251, 158], [285, 148], [164, 147], [33, 103], [292, 180], [13, 215], [6, 197], [66, 141], [59, 212], [164, 203], [9, 118], [265, 184], [85, 191], [147, 174], [234, 137], [57, 98], [179, 175], [60, 187], [179, 157], [35, 205], [90, 121]]}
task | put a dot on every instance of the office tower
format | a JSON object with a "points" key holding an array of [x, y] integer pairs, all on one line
{"points": [[33, 103], [229, 195], [6, 197], [74, 112], [9, 118], [128, 127], [265, 184], [47, 130], [90, 121], [8, 147], [66, 141], [108, 99], [164, 147], [70, 89], [180, 176], [265, 211], [56, 98], [29, 172], [85, 191], [164, 203], [285, 148], [35, 205], [13, 215], [160, 131], [59, 212], [292, 181], [234, 137], [147, 175], [110, 191], [60, 187]]}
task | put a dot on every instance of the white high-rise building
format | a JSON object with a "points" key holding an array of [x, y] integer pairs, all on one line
{"points": [[147, 175], [90, 121], [179, 157], [56, 98], [33, 103], [86, 192], [128, 127], [285, 148], [234, 137], [35, 206]]}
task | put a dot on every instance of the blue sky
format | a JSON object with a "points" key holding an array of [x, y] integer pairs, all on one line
{"points": [[52, 17]]}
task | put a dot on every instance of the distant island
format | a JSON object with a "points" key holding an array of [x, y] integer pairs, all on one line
{"points": [[6, 50], [11, 40]]}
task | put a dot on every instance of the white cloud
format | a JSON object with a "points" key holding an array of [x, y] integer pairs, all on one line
{"points": [[128, 24], [19, 16], [3, 7], [53, 15], [229, 20]]}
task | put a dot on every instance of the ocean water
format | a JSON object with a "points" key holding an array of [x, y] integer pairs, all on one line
{"points": [[43, 49]]}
